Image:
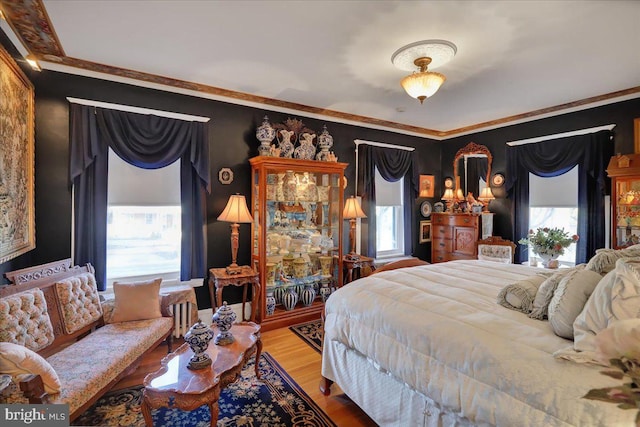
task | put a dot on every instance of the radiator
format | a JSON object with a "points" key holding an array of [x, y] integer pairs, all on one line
{"points": [[181, 319]]}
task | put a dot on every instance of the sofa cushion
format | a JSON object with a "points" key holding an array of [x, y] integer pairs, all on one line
{"points": [[136, 301], [18, 361], [24, 320], [91, 363], [79, 301]]}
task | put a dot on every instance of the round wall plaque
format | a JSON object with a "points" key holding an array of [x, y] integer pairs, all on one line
{"points": [[448, 183], [225, 176], [498, 180], [425, 209]]}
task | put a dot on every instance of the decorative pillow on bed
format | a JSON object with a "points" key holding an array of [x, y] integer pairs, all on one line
{"points": [[519, 296], [545, 292], [18, 361], [136, 301], [617, 297], [569, 299], [605, 259]]}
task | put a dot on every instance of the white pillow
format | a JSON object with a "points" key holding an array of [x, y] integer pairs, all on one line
{"points": [[569, 299], [617, 297], [604, 260], [18, 361], [545, 293], [519, 296]]}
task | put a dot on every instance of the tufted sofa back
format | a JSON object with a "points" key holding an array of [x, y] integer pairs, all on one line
{"points": [[24, 320]]}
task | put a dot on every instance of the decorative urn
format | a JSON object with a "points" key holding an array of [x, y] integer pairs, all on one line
{"points": [[198, 338], [325, 142], [223, 319], [265, 134]]}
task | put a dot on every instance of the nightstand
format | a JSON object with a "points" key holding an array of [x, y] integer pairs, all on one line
{"points": [[219, 278], [349, 264]]}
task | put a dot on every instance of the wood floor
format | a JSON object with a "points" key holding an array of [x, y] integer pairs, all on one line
{"points": [[300, 361]]}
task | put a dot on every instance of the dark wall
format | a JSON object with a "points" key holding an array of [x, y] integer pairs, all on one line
{"points": [[621, 114], [232, 142]]}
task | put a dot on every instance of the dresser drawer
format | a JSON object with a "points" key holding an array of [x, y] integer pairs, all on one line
{"points": [[445, 245], [439, 256], [442, 232], [455, 219]]}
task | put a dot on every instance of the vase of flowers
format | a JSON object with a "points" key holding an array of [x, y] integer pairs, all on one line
{"points": [[548, 243]]}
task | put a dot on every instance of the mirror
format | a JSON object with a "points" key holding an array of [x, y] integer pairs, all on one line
{"points": [[469, 166]]}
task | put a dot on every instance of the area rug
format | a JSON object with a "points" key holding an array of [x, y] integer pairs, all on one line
{"points": [[274, 400], [310, 332]]}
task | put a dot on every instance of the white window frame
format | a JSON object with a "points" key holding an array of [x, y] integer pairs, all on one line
{"points": [[399, 222]]}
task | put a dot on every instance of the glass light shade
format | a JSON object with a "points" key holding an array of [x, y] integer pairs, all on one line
{"points": [[448, 194], [422, 85], [352, 209], [486, 195], [236, 210], [459, 195]]}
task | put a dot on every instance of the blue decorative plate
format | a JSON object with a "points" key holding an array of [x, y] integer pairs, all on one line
{"points": [[425, 209]]}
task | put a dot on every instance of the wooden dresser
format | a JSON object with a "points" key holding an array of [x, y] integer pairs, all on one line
{"points": [[454, 236]]}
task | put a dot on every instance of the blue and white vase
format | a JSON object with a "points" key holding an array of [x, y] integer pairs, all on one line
{"points": [[270, 302], [325, 291], [198, 338], [223, 319], [290, 298], [265, 134], [308, 295], [325, 142]]}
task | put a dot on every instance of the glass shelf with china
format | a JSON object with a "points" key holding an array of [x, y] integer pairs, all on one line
{"points": [[624, 171], [297, 236]]}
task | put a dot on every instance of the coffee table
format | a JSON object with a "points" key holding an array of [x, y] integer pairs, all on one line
{"points": [[176, 386]]}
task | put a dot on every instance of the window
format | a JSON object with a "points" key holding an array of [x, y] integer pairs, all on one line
{"points": [[389, 217], [553, 202], [143, 221]]}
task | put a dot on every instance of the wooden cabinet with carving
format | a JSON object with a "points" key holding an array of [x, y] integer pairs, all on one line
{"points": [[297, 236], [624, 171], [454, 236]]}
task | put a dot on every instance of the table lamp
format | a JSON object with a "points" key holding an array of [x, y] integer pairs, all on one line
{"points": [[448, 197], [486, 196], [235, 212], [352, 211]]}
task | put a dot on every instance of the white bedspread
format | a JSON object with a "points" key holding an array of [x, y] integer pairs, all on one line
{"points": [[438, 329]]}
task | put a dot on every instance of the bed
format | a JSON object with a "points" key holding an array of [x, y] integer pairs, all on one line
{"points": [[430, 346]]}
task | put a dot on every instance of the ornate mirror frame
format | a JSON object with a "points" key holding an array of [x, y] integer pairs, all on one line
{"points": [[472, 148]]}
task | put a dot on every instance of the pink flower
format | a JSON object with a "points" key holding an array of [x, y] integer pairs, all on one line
{"points": [[546, 229], [617, 394], [575, 237]]}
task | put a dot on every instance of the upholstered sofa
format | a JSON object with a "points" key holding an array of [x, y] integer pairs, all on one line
{"points": [[58, 317]]}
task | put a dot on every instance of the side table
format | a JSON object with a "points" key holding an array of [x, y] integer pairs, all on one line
{"points": [[219, 278], [350, 264], [174, 385]]}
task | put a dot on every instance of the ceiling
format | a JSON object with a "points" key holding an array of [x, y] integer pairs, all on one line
{"points": [[515, 61]]}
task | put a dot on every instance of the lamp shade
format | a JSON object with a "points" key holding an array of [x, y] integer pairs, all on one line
{"points": [[448, 194], [422, 85], [352, 209], [236, 210], [486, 195], [459, 194]]}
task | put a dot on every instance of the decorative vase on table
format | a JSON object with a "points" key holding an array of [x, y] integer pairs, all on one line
{"points": [[223, 319], [270, 301], [549, 260], [290, 298], [198, 338], [308, 294]]}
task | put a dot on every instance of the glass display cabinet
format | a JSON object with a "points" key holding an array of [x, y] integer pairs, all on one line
{"points": [[624, 171], [297, 236]]}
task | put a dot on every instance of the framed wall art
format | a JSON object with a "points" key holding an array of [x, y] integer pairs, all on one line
{"points": [[17, 146], [427, 184], [425, 231], [225, 176]]}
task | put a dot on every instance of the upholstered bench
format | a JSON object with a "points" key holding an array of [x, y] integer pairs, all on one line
{"points": [[57, 342]]}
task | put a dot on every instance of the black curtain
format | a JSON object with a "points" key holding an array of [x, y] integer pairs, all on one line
{"points": [[148, 142], [591, 153], [392, 164]]}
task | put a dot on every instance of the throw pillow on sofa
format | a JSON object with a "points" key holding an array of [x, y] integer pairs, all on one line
{"points": [[18, 361], [136, 301]]}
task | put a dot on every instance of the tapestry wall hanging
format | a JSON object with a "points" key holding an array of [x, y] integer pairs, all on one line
{"points": [[17, 216]]}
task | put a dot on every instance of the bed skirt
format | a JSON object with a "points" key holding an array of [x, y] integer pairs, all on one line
{"points": [[386, 400]]}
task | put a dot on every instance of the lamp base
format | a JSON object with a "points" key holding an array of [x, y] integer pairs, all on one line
{"points": [[352, 256], [233, 269]]}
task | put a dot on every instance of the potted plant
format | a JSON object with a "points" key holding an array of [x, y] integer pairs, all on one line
{"points": [[548, 243]]}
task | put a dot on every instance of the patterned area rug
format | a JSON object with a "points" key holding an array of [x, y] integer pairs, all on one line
{"points": [[275, 400], [311, 333]]}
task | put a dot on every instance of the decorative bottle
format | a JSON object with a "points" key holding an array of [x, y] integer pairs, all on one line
{"points": [[198, 338], [223, 319]]}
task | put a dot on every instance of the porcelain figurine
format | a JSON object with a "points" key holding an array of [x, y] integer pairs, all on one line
{"points": [[223, 319], [198, 338]]}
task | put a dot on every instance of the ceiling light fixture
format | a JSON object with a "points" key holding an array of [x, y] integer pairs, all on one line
{"points": [[434, 53]]}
